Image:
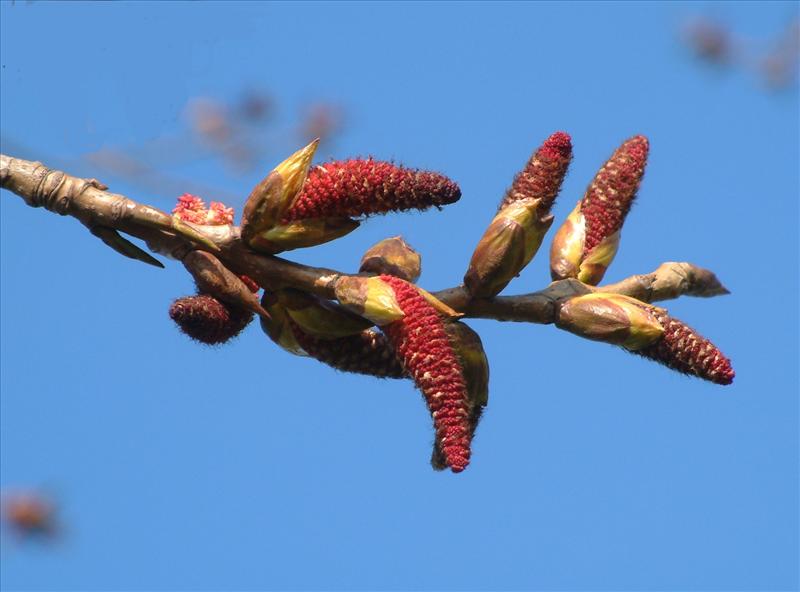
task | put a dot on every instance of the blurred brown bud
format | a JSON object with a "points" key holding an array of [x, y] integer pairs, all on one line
{"points": [[209, 119], [710, 41], [29, 514], [392, 256], [256, 106], [322, 120]]}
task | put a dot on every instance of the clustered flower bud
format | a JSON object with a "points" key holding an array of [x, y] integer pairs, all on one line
{"points": [[683, 349], [517, 230], [427, 355], [360, 187], [587, 242], [191, 208]]}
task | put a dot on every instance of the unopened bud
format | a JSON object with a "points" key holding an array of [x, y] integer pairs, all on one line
{"points": [[371, 298], [392, 256], [279, 326], [302, 233], [611, 318], [274, 194], [321, 318], [507, 246]]}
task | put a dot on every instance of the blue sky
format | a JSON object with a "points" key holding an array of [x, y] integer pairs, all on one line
{"points": [[179, 467]]}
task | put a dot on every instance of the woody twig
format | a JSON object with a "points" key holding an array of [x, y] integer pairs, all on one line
{"points": [[377, 320]]}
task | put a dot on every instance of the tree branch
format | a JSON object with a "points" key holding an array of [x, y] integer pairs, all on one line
{"points": [[89, 201]]}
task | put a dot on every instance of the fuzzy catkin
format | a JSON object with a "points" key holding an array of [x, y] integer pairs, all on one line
{"points": [[424, 348], [207, 320], [360, 187], [543, 174], [368, 352], [609, 197], [683, 349]]}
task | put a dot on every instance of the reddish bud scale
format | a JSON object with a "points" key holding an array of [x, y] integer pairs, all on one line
{"points": [[368, 352], [609, 197], [359, 187], [424, 349], [542, 176], [683, 349], [206, 319]]}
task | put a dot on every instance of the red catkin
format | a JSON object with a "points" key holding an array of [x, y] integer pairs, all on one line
{"points": [[368, 352], [424, 349], [360, 187], [543, 174], [683, 349], [609, 197], [207, 320]]}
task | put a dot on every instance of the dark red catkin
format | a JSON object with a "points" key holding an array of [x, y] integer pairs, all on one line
{"points": [[207, 320], [683, 349], [543, 174], [360, 187], [609, 197], [368, 352], [424, 349]]}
